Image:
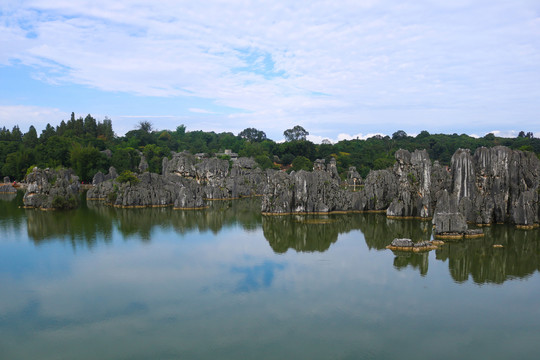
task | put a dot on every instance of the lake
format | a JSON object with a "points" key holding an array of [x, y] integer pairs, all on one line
{"points": [[229, 283]]}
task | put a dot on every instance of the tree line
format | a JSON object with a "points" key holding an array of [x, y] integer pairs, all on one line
{"points": [[87, 146]]}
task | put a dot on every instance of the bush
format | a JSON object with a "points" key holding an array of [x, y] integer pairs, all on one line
{"points": [[127, 176], [302, 163]]}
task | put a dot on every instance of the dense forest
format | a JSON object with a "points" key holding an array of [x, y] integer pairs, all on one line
{"points": [[87, 146]]}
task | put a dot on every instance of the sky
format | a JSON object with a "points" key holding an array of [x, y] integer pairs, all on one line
{"points": [[340, 69]]}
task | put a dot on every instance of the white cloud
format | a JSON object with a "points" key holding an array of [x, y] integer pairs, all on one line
{"points": [[282, 63], [24, 116], [201, 111], [359, 136], [506, 133]]}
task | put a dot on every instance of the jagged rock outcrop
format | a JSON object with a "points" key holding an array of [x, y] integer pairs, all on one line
{"points": [[493, 185], [409, 245], [413, 172], [186, 182], [51, 189], [380, 189], [157, 190], [441, 179], [353, 177], [181, 164], [305, 192], [7, 189], [496, 185], [99, 177], [332, 170], [143, 164], [218, 179], [449, 222], [150, 190], [447, 218]]}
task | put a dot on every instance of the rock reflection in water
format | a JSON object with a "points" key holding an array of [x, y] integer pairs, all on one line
{"points": [[302, 233], [519, 257], [477, 259], [220, 214], [80, 228], [379, 231], [309, 233], [7, 196], [418, 261]]}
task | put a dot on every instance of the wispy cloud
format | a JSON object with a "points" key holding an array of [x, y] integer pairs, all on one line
{"points": [[201, 111], [25, 116], [357, 65]]}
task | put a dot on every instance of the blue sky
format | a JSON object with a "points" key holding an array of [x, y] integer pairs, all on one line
{"points": [[341, 69]]}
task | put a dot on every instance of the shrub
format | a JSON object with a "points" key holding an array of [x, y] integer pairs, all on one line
{"points": [[127, 176]]}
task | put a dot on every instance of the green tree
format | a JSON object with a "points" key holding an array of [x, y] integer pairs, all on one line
{"points": [[399, 135], [253, 135], [30, 139], [86, 161], [125, 159], [47, 133], [302, 163], [17, 163], [146, 126], [16, 134], [296, 133], [154, 156], [90, 126]]}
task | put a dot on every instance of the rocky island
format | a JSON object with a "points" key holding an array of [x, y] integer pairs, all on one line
{"points": [[493, 185]]}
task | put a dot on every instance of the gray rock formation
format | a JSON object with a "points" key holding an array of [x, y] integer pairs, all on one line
{"points": [[380, 189], [305, 192], [6, 180], [99, 177], [149, 190], [319, 165], [496, 185], [158, 190], [413, 172], [7, 189], [402, 243], [447, 218], [186, 182], [50, 189], [353, 177], [332, 170], [143, 164], [181, 164]]}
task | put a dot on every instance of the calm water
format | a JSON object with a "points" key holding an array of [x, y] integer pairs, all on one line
{"points": [[227, 283]]}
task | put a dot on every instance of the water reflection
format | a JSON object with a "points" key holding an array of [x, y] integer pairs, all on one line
{"points": [[519, 257], [418, 261], [256, 277], [317, 233], [7, 197], [95, 223], [219, 215], [11, 215]]}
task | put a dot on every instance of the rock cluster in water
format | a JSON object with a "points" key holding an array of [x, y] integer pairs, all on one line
{"points": [[185, 183], [409, 245], [51, 189], [6, 187], [492, 185]]}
